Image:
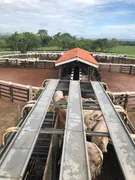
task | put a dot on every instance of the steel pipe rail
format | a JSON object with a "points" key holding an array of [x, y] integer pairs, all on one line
{"points": [[61, 131], [74, 163], [123, 143], [16, 157]]}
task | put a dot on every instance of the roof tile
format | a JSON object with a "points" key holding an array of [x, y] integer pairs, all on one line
{"points": [[77, 52]]}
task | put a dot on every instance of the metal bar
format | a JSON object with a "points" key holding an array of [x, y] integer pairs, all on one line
{"points": [[61, 131], [74, 164], [15, 159], [123, 143]]}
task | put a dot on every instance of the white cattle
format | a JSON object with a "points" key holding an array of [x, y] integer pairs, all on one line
{"points": [[58, 95], [91, 118], [95, 159], [101, 142]]}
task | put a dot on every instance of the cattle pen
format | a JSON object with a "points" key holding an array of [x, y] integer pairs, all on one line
{"points": [[75, 129], [30, 153]]}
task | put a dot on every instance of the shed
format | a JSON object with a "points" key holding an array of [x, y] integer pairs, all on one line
{"points": [[79, 62]]}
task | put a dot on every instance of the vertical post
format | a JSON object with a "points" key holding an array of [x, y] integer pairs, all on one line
{"points": [[59, 72], [35, 64], [28, 93], [126, 101], [11, 91], [131, 69], [121, 98], [44, 65], [88, 73], [0, 90], [54, 66], [109, 68], [99, 67], [120, 68]]}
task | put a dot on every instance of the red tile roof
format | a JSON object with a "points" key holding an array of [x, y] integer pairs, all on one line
{"points": [[79, 53]]}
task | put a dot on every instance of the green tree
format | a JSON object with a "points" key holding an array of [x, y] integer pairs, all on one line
{"points": [[44, 37], [23, 42], [101, 44], [64, 40]]}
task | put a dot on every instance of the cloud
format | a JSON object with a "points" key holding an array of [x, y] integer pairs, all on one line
{"points": [[89, 18]]}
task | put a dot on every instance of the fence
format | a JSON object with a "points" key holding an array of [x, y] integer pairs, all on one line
{"points": [[118, 68], [40, 56], [17, 92], [126, 100], [27, 63], [114, 59]]}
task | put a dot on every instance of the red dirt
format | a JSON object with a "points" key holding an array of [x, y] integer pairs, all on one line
{"points": [[9, 116], [27, 76], [119, 82]]}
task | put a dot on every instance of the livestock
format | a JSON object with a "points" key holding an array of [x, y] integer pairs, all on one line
{"points": [[101, 142], [58, 95], [91, 118], [95, 156], [84, 100]]}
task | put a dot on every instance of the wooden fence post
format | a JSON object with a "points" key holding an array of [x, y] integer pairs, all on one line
{"points": [[28, 93], [126, 101], [44, 65], [35, 64], [11, 91], [109, 68], [130, 70], [120, 68], [99, 67], [133, 69], [0, 90]]}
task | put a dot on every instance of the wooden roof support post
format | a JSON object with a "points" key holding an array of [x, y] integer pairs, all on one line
{"points": [[88, 73], [59, 72]]}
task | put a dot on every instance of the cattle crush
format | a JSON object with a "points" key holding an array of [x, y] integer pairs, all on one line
{"points": [[46, 147]]}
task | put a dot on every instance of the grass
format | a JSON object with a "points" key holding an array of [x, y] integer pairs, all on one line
{"points": [[9, 115], [128, 50]]}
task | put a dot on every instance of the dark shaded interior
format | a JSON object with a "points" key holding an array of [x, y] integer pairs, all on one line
{"points": [[76, 73]]}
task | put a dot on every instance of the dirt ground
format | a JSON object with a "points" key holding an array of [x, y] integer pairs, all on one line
{"points": [[119, 82], [27, 76], [9, 112], [9, 115]]}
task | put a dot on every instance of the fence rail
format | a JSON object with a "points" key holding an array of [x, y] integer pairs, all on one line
{"points": [[27, 63], [126, 100], [114, 59], [17, 92], [118, 68]]}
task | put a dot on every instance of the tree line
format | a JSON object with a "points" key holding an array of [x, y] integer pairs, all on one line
{"points": [[28, 41]]}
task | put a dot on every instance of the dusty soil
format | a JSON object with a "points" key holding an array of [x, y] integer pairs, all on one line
{"points": [[9, 112], [9, 115], [27, 76], [132, 117], [119, 82]]}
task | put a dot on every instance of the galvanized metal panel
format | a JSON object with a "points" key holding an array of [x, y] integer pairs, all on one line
{"points": [[11, 167], [74, 163], [123, 144], [15, 159]]}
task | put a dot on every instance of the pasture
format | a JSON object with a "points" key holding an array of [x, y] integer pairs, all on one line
{"points": [[128, 50]]}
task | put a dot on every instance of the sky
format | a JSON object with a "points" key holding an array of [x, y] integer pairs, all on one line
{"points": [[83, 18]]}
